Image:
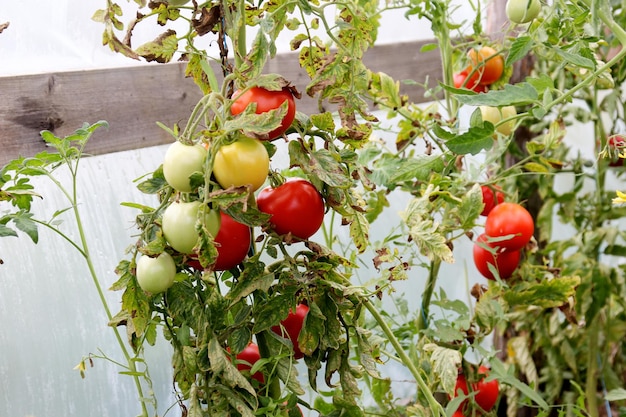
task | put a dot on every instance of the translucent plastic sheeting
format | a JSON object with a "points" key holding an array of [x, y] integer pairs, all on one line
{"points": [[59, 35]]}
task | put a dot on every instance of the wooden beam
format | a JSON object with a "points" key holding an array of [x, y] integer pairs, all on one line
{"points": [[133, 99]]}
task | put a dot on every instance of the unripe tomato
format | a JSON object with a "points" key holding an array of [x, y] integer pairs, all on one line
{"points": [[492, 196], [522, 11], [176, 3], [510, 220], [233, 242], [617, 146], [155, 275], [179, 224], [266, 100], [485, 393], [495, 115], [504, 262], [488, 65], [247, 358], [461, 80], [291, 326], [296, 207], [242, 163], [180, 162]]}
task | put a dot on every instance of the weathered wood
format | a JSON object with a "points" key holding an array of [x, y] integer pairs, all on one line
{"points": [[133, 99]]}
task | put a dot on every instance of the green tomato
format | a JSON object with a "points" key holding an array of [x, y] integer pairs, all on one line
{"points": [[156, 275], [496, 114], [522, 11], [242, 163], [179, 224], [180, 162]]}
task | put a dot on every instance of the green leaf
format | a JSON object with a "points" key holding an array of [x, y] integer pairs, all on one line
{"points": [[24, 222], [6, 231], [323, 121], [389, 171], [247, 285], [548, 293], [255, 61], [473, 141], [576, 59], [617, 394], [499, 372], [517, 95], [519, 49], [359, 230], [471, 206]]}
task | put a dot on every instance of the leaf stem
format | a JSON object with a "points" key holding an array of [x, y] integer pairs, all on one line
{"points": [[435, 407]]}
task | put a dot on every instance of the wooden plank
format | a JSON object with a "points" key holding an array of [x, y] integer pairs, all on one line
{"points": [[132, 99]]}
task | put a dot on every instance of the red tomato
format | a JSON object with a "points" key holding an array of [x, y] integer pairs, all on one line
{"points": [[296, 207], [489, 65], [471, 83], [266, 100], [247, 358], [485, 393], [504, 262], [492, 196], [617, 147], [291, 326], [233, 242], [512, 220]]}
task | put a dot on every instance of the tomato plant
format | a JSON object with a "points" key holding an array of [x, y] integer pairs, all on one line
{"points": [[487, 258], [291, 326], [155, 275], [522, 11], [512, 223], [492, 196], [244, 162], [485, 393], [233, 242], [487, 62], [267, 100], [179, 224], [295, 207], [180, 162]]}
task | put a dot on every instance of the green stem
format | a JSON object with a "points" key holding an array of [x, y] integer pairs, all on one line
{"points": [[422, 320], [435, 407], [274, 386], [591, 388]]}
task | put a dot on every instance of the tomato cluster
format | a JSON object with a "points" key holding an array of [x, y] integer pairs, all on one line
{"points": [[485, 67], [508, 229], [484, 393]]}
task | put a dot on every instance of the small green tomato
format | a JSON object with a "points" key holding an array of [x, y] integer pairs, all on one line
{"points": [[522, 11], [180, 162], [496, 114], [156, 275]]}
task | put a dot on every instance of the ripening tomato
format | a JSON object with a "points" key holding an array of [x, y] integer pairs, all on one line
{"points": [[242, 163], [247, 358], [179, 224], [155, 275], [488, 64], [505, 262], [266, 100], [492, 196], [495, 115], [296, 207], [485, 393], [616, 147], [512, 221], [461, 81], [233, 242], [291, 326], [522, 11], [180, 161]]}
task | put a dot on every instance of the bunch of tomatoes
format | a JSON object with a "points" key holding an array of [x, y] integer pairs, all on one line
{"points": [[294, 209]]}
